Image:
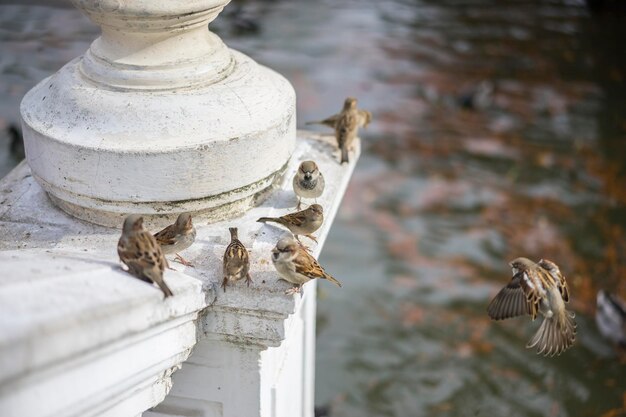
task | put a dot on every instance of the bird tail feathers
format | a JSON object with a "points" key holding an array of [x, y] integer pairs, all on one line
{"points": [[333, 280], [555, 335], [166, 290]]}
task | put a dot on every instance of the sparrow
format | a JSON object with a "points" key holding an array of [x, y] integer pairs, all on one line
{"points": [[236, 265], [141, 253], [347, 126], [365, 117], [295, 265], [538, 287], [302, 222], [177, 237], [308, 182], [611, 317]]}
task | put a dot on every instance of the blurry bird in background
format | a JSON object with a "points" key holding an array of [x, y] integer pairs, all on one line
{"points": [[611, 317], [538, 287], [478, 97], [16, 142], [346, 125]]}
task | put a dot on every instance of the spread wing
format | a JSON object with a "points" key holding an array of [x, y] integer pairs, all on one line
{"points": [[557, 276], [167, 236], [532, 286], [365, 118], [330, 121], [510, 301]]}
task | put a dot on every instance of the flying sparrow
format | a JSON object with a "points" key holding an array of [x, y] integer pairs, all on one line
{"points": [[302, 222], [308, 182], [295, 265], [538, 287], [141, 253], [177, 237], [236, 264]]}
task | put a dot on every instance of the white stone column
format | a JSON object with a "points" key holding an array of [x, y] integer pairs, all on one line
{"points": [[80, 337], [158, 117]]}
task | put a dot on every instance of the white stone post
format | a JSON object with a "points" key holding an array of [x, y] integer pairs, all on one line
{"points": [[158, 117]]}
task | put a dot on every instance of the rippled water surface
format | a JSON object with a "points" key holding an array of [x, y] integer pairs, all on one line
{"points": [[445, 194]]}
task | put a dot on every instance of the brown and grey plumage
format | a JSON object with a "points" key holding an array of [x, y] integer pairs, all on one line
{"points": [[236, 265], [538, 288], [302, 222], [177, 237], [346, 125], [365, 118], [141, 253], [295, 265]]}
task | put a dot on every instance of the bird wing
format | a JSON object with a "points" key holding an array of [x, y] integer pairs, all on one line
{"points": [[557, 276], [295, 219], [509, 302], [308, 266], [532, 285], [330, 121], [167, 236], [365, 117], [143, 256]]}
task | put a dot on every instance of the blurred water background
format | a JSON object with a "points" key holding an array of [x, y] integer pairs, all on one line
{"points": [[499, 131]]}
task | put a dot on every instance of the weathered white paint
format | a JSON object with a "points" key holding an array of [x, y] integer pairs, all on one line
{"points": [[158, 117], [82, 338]]}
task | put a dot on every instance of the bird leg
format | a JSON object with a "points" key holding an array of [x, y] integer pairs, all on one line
{"points": [[299, 206], [167, 265], [224, 282], [304, 246], [312, 238], [183, 261], [248, 279]]}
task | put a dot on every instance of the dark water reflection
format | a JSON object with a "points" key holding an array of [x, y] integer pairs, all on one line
{"points": [[444, 195]]}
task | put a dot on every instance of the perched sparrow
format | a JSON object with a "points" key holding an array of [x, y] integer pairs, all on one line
{"points": [[538, 287], [295, 265], [236, 261], [347, 126], [611, 317], [308, 182], [302, 222], [177, 237], [141, 253], [365, 118]]}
